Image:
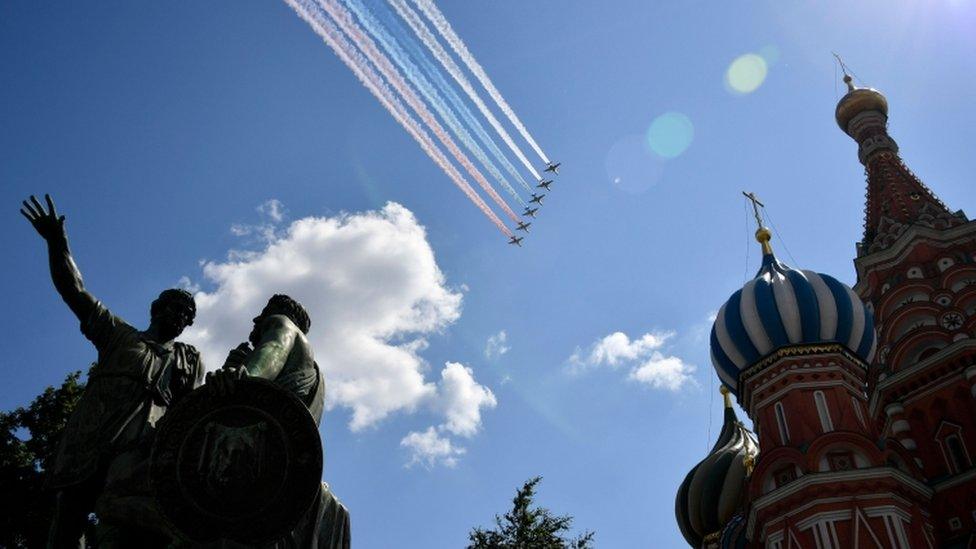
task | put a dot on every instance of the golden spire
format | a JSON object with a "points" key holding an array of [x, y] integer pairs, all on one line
{"points": [[762, 233], [857, 100], [847, 73], [725, 396]]}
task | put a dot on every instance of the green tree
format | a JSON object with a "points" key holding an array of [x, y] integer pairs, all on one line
{"points": [[28, 442], [528, 527]]}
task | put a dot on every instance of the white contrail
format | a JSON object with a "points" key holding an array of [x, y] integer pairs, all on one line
{"points": [[430, 93], [416, 51], [431, 68], [368, 77], [443, 27], [365, 44], [429, 40]]}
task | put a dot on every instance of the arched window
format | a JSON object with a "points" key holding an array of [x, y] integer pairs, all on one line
{"points": [[949, 437], [958, 460], [823, 412], [784, 431], [927, 353]]}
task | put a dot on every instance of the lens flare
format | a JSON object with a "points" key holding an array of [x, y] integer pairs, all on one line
{"points": [[670, 134], [631, 167], [746, 73], [770, 54]]}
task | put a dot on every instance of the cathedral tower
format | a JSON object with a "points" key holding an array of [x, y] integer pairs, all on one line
{"points": [[863, 400], [796, 348], [916, 271]]}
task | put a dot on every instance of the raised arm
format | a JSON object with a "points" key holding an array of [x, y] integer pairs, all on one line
{"points": [[270, 355], [64, 272]]}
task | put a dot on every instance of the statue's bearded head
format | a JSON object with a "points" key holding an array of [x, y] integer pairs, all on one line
{"points": [[173, 311], [281, 304]]}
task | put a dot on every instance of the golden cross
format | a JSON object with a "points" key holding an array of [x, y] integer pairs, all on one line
{"points": [[756, 204], [848, 79]]}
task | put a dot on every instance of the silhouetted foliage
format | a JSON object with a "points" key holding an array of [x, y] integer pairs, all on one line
{"points": [[528, 527], [28, 442]]}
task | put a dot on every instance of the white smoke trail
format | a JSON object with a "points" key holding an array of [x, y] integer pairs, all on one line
{"points": [[360, 67], [365, 44], [430, 93], [416, 51], [443, 27], [420, 29]]}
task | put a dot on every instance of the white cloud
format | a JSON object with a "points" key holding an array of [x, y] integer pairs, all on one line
{"points": [[272, 213], [273, 209], [185, 283], [617, 347], [642, 356], [497, 345], [461, 399], [374, 293], [663, 372], [428, 448]]}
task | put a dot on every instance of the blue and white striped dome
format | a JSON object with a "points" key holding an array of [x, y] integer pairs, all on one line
{"points": [[783, 306]]}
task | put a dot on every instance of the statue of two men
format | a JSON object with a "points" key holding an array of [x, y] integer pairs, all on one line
{"points": [[139, 374], [102, 461]]}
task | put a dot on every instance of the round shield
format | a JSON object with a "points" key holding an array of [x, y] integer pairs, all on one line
{"points": [[244, 466]]}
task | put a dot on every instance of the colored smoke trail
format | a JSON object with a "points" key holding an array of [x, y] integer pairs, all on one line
{"points": [[360, 67], [440, 82], [440, 22], [365, 44], [427, 89], [429, 40]]}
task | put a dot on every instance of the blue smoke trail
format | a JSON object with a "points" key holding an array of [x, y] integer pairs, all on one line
{"points": [[406, 38], [400, 57]]}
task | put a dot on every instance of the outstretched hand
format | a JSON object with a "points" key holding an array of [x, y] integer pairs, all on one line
{"points": [[47, 223]]}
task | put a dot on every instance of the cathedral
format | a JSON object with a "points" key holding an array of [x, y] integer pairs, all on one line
{"points": [[863, 399]]}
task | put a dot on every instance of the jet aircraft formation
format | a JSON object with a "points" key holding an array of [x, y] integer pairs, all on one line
{"points": [[401, 51], [536, 199]]}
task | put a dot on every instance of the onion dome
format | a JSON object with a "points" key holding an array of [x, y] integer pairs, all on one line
{"points": [[781, 307], [712, 492], [896, 198], [734, 534], [858, 100]]}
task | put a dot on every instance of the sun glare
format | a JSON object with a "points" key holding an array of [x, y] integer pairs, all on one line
{"points": [[670, 134], [746, 73]]}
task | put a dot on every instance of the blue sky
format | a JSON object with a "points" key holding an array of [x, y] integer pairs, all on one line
{"points": [[159, 127]]}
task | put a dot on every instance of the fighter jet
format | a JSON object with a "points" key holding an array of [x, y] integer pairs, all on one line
{"points": [[554, 167], [530, 211], [523, 226], [517, 240], [544, 184], [537, 198]]}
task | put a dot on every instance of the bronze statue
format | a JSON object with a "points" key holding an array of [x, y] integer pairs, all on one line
{"points": [[139, 374], [283, 355]]}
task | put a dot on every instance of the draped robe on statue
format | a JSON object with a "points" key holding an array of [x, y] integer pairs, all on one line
{"points": [[326, 525]]}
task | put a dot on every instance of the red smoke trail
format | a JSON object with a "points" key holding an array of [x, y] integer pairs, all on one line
{"points": [[420, 29], [383, 63], [374, 83], [443, 27]]}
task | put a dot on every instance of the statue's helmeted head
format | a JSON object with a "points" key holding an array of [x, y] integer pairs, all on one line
{"points": [[173, 311], [281, 304]]}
